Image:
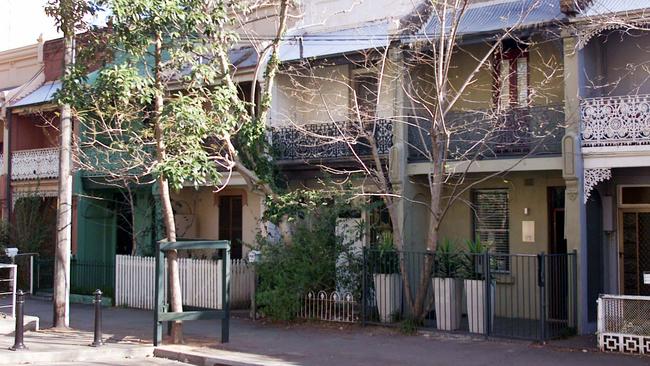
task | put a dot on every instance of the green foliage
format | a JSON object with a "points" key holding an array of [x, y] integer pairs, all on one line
{"points": [[382, 257], [410, 325], [154, 46], [448, 260], [309, 263], [33, 228], [473, 263]]}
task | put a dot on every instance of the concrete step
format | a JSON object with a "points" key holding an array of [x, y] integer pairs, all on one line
{"points": [[8, 324]]}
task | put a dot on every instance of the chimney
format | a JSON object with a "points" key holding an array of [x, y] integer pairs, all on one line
{"points": [[572, 7]]}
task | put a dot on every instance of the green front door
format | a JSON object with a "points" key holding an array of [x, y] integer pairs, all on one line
{"points": [[97, 231]]}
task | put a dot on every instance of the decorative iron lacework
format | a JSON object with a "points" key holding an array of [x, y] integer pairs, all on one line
{"points": [[15, 196], [614, 121], [330, 140], [593, 177], [332, 307], [623, 324], [481, 134], [35, 164]]}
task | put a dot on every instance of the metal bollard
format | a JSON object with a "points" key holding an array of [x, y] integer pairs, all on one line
{"points": [[97, 341], [20, 325]]}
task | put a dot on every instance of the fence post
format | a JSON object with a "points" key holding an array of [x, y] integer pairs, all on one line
{"points": [[575, 289], [488, 294], [364, 286], [541, 283]]}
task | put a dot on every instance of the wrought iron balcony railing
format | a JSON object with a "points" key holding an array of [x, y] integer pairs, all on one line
{"points": [[35, 164], [330, 140], [480, 135], [615, 121]]}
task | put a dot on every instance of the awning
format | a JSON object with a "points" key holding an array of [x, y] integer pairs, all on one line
{"points": [[493, 16], [43, 94], [303, 45]]}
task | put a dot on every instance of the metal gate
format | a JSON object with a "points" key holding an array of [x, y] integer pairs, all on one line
{"points": [[503, 295]]}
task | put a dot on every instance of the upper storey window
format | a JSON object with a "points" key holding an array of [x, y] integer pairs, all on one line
{"points": [[511, 86]]}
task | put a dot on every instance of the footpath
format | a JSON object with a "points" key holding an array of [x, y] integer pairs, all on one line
{"points": [[128, 334]]}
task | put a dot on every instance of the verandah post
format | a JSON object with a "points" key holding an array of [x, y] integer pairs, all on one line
{"points": [[225, 298]]}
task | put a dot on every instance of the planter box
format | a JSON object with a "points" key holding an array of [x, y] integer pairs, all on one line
{"points": [[476, 302], [388, 294], [448, 297]]}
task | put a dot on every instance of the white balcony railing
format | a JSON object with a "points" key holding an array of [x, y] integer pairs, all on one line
{"points": [[615, 121], [35, 164]]}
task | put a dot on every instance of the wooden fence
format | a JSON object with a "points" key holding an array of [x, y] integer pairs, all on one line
{"points": [[134, 282]]}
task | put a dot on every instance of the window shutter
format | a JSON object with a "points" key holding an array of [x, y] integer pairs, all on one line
{"points": [[491, 222]]}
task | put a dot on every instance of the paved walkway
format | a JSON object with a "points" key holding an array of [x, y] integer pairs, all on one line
{"points": [[307, 344]]}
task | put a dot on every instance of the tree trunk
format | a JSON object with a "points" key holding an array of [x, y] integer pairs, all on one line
{"points": [[176, 301], [61, 291]]}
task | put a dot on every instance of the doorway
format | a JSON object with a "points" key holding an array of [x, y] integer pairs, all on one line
{"points": [[557, 265], [231, 223], [634, 251]]}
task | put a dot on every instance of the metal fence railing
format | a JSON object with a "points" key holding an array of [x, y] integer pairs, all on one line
{"points": [[535, 298], [8, 274], [331, 307], [624, 324], [85, 276]]}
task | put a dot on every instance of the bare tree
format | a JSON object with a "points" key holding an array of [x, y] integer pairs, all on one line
{"points": [[454, 115]]}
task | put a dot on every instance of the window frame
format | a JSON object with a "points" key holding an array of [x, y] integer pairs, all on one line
{"points": [[355, 74], [512, 52], [505, 268]]}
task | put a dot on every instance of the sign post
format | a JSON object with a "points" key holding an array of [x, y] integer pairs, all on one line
{"points": [[161, 314]]}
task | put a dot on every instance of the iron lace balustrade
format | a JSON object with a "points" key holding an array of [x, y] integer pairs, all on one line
{"points": [[480, 135], [615, 121], [326, 140], [35, 164]]}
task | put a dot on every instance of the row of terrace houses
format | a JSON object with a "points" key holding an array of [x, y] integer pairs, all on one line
{"points": [[551, 133]]}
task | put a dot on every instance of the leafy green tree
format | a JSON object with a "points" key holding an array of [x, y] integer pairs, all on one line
{"points": [[164, 106]]}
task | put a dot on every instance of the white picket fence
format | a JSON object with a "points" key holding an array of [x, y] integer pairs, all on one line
{"points": [[200, 279]]}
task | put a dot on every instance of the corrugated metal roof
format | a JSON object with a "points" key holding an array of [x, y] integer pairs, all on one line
{"points": [[243, 58], [308, 45], [43, 94], [604, 7], [492, 16]]}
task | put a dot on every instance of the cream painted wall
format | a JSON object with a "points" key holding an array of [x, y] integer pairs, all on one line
{"points": [[17, 66], [202, 203], [545, 76], [324, 94], [457, 223]]}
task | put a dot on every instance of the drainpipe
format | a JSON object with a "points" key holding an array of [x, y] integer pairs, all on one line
{"points": [[7, 150]]}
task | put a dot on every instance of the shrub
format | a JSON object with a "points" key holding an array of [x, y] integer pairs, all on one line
{"points": [[316, 260]]}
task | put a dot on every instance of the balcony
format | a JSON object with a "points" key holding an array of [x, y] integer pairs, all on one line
{"points": [[608, 123], [324, 141], [35, 164], [480, 135]]}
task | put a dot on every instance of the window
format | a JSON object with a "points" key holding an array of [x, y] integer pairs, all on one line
{"points": [[365, 88], [491, 223], [511, 71]]}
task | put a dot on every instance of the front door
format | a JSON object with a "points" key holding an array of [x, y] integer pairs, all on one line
{"points": [[231, 223], [557, 266], [634, 252]]}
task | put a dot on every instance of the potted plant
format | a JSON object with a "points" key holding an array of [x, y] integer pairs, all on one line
{"points": [[474, 269], [386, 278], [447, 287]]}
